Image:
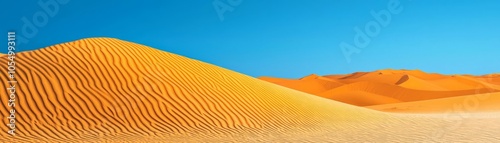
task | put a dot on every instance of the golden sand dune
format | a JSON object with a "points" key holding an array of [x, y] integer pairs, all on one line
{"points": [[100, 89], [103, 89]]}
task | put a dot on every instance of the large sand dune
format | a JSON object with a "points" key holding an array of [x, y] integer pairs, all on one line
{"points": [[103, 89]]}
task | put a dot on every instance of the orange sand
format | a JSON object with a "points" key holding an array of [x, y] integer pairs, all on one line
{"points": [[467, 104], [314, 84], [108, 90], [394, 86]]}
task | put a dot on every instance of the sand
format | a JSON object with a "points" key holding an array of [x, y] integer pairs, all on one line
{"points": [[487, 102], [109, 90], [314, 84], [392, 86]]}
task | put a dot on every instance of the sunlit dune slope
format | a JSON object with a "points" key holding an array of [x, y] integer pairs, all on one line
{"points": [[103, 89]]}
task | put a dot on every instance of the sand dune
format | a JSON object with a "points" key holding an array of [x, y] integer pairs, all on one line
{"points": [[385, 76], [103, 89], [401, 93], [487, 102], [412, 82], [359, 97], [107, 89], [393, 86], [459, 83], [491, 78], [312, 84]]}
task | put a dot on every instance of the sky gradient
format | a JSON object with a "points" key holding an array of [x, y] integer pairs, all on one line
{"points": [[282, 38]]}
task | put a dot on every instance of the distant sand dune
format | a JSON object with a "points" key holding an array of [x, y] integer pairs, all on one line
{"points": [[103, 89], [412, 82], [492, 78], [401, 93], [384, 76], [310, 84], [468, 104], [393, 86], [359, 97]]}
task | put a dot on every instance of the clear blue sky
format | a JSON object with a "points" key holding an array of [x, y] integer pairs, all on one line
{"points": [[283, 38]]}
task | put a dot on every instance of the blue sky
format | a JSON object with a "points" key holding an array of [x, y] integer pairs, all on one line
{"points": [[282, 38]]}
